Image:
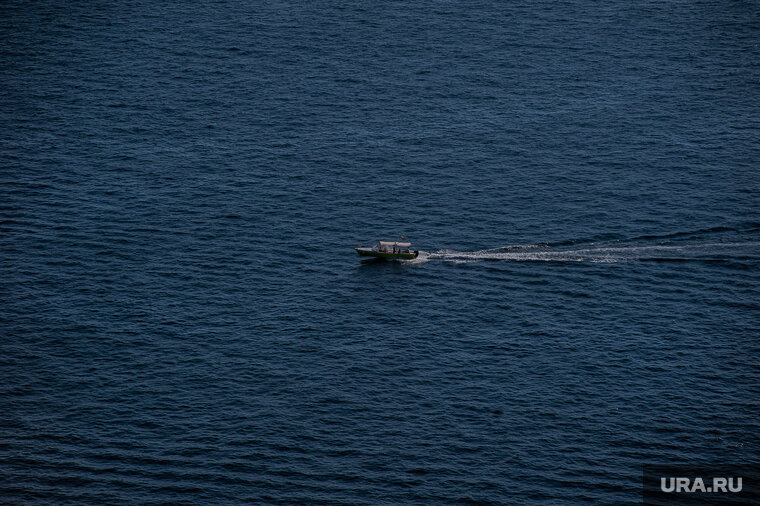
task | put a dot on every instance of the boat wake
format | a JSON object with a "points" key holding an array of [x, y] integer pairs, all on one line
{"points": [[603, 253]]}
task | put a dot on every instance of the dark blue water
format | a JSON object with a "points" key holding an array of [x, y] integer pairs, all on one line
{"points": [[183, 316]]}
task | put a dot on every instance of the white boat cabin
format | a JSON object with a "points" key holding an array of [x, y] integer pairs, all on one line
{"points": [[393, 247]]}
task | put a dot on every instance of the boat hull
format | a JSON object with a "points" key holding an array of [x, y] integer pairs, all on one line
{"points": [[369, 252]]}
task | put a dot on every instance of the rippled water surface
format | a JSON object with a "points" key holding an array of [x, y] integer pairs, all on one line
{"points": [[184, 318]]}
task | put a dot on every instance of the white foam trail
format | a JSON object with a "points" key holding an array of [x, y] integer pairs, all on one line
{"points": [[599, 253]]}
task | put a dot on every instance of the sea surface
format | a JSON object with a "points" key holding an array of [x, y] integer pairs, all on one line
{"points": [[183, 318]]}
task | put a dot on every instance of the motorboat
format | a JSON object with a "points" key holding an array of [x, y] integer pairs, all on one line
{"points": [[389, 250]]}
